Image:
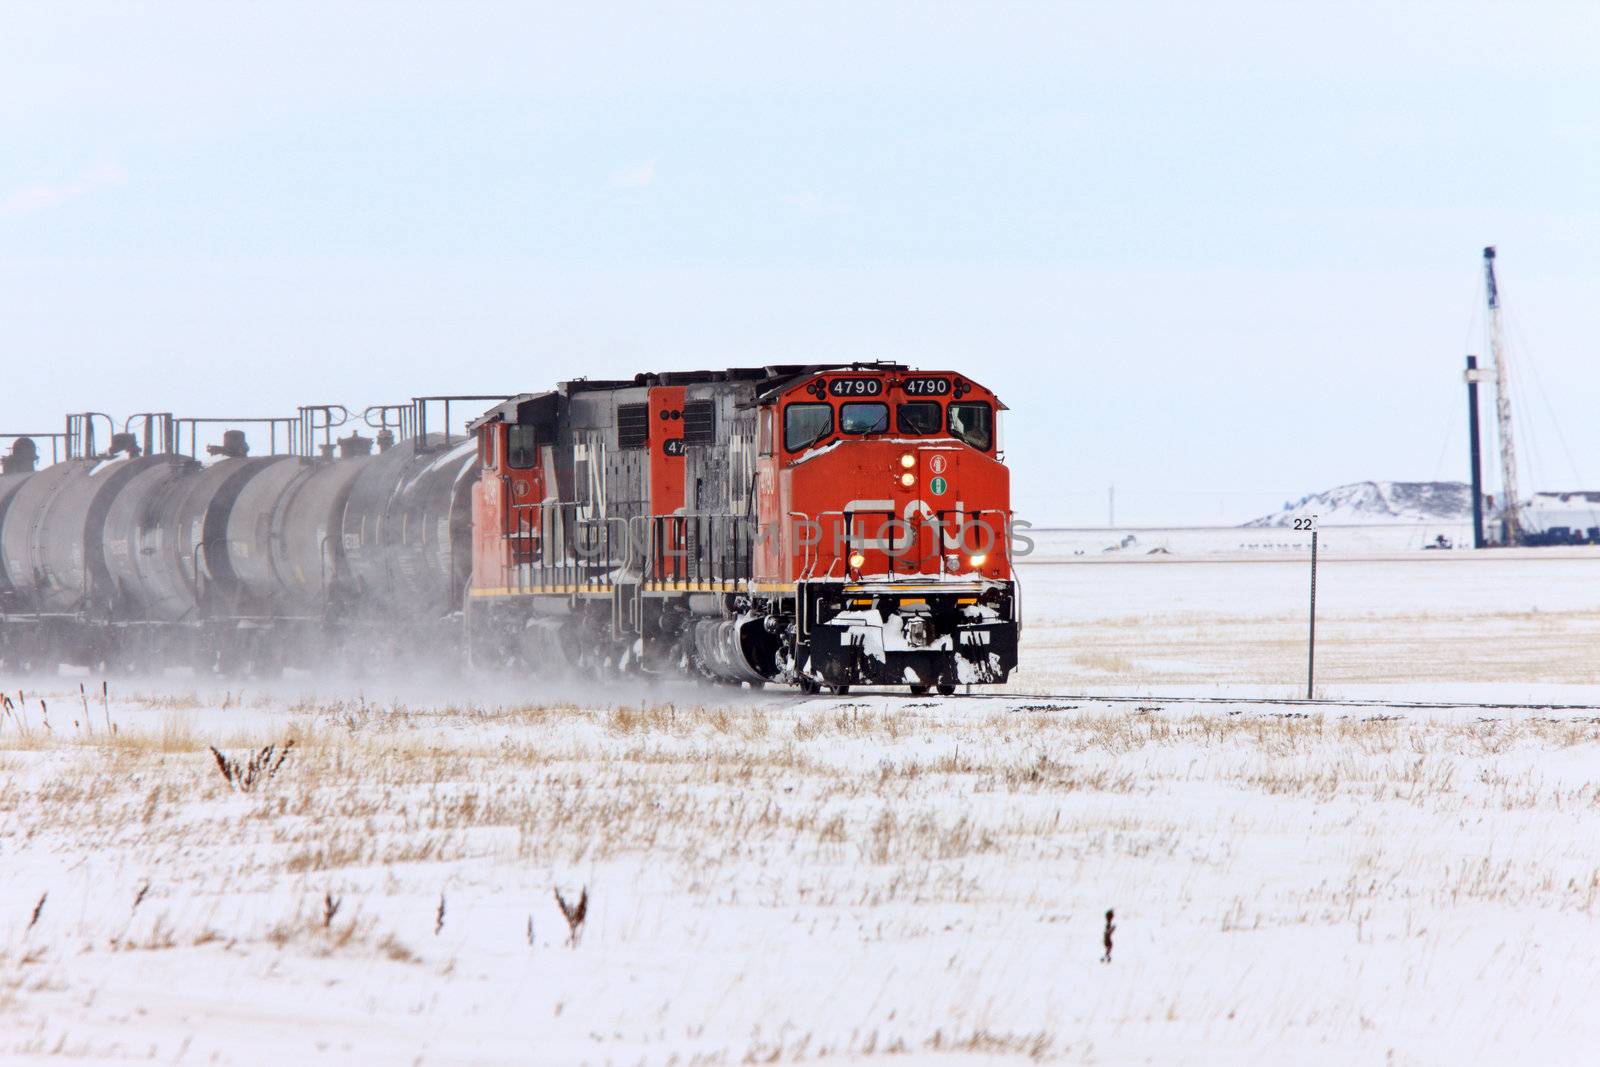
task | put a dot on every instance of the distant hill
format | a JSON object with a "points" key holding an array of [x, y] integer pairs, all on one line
{"points": [[1367, 503]]}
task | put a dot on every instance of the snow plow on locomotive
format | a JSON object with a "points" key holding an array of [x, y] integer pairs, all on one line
{"points": [[831, 525]]}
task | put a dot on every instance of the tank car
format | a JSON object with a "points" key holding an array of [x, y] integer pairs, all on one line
{"points": [[132, 559]]}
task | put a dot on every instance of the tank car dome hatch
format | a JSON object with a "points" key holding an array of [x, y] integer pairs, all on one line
{"points": [[234, 446], [355, 445], [22, 458]]}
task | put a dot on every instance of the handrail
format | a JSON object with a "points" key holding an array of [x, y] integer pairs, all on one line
{"points": [[419, 409], [291, 431], [57, 440], [157, 429], [80, 443]]}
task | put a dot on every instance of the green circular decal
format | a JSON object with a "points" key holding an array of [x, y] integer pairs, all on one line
{"points": [[938, 486]]}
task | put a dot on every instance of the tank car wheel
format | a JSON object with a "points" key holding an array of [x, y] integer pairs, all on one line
{"points": [[918, 690], [809, 688], [946, 689], [839, 690]]}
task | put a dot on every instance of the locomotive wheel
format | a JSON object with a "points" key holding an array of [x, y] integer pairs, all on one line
{"points": [[839, 690], [809, 688], [918, 690], [946, 689]]}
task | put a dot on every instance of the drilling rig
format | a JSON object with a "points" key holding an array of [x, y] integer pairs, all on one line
{"points": [[1510, 500]]}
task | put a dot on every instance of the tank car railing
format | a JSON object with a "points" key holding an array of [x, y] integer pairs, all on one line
{"points": [[400, 420], [701, 548], [80, 439], [317, 419], [57, 441], [289, 426], [420, 404]]}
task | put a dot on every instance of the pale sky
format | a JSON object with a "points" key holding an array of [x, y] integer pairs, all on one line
{"points": [[1218, 255]]}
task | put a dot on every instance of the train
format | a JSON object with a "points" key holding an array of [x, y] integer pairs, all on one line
{"points": [[814, 526]]}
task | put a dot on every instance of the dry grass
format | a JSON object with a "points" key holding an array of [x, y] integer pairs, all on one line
{"points": [[899, 822]]}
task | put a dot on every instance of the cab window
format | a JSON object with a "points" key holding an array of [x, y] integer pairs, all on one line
{"points": [[522, 450], [490, 435], [920, 417], [972, 422], [805, 424], [863, 418]]}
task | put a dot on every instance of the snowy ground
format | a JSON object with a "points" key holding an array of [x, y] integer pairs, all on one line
{"points": [[841, 879]]}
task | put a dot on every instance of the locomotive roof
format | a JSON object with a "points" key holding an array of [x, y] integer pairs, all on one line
{"points": [[770, 379]]}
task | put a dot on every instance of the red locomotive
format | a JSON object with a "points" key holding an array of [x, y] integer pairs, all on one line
{"points": [[821, 525], [813, 525]]}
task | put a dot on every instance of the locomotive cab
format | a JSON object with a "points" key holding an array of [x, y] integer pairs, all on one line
{"points": [[896, 522]]}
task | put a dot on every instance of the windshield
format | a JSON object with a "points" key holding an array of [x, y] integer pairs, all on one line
{"points": [[919, 417], [804, 424], [972, 422], [522, 449], [864, 418]]}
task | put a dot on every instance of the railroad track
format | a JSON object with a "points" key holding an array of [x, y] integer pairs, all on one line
{"points": [[1403, 705]]}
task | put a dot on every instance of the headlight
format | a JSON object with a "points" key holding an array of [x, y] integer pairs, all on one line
{"points": [[908, 461], [978, 558], [908, 479], [857, 559]]}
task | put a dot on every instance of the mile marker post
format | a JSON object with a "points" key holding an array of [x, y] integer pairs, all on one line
{"points": [[1311, 640]]}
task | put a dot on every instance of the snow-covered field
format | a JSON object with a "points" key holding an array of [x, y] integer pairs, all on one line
{"points": [[846, 879]]}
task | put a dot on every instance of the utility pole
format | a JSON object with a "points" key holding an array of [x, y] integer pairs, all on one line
{"points": [[1473, 377], [1111, 505], [1502, 398], [1311, 638]]}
